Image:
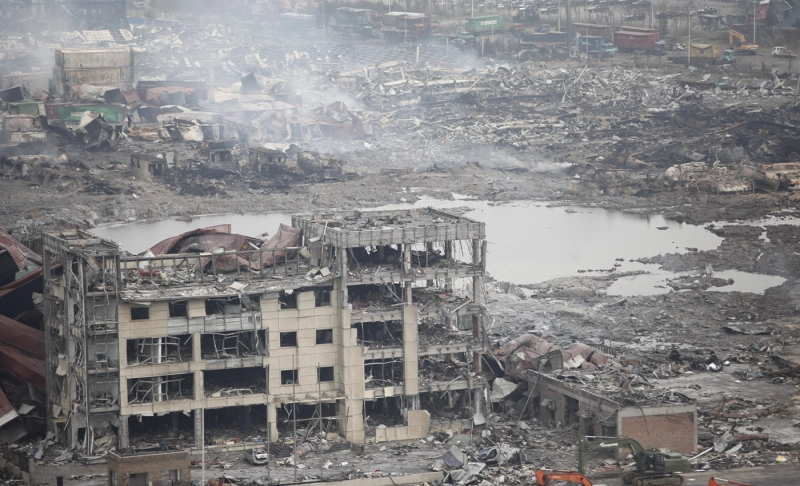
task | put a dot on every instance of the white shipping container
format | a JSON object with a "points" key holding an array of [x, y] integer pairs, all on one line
{"points": [[98, 76], [94, 58]]}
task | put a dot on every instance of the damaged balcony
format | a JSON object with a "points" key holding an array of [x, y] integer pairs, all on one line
{"points": [[442, 337], [448, 372], [445, 260], [240, 349], [160, 389], [376, 302], [380, 339], [155, 351], [354, 229], [215, 315], [384, 339], [383, 376], [241, 386], [177, 275], [383, 302], [104, 393]]}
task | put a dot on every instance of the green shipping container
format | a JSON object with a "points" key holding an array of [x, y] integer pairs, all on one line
{"points": [[32, 108], [489, 23], [72, 113]]}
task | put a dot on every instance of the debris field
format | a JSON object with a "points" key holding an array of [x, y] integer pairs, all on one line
{"points": [[366, 338]]}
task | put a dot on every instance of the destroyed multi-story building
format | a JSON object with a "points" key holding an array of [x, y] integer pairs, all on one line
{"points": [[353, 315]]}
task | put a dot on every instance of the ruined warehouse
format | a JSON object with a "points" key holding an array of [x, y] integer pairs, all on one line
{"points": [[322, 326]]}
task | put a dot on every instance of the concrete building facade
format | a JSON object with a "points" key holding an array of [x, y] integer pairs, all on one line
{"points": [[333, 330], [149, 469], [653, 425]]}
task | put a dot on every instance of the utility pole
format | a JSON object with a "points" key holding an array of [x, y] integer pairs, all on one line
{"points": [[569, 21], [754, 21], [690, 41]]}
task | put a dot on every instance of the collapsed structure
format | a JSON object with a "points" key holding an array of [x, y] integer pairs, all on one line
{"points": [[322, 325]]}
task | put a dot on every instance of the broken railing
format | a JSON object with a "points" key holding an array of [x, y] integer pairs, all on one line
{"points": [[209, 267]]}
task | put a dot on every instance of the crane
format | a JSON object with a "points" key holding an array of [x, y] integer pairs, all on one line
{"points": [[653, 467], [742, 45], [545, 475], [720, 482]]}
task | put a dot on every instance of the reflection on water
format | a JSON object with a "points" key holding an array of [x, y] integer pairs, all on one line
{"points": [[655, 282], [528, 241]]}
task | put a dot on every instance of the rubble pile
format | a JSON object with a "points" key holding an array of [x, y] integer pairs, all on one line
{"points": [[22, 355], [207, 115]]}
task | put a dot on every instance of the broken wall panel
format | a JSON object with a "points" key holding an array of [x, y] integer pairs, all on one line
{"points": [[7, 412]]}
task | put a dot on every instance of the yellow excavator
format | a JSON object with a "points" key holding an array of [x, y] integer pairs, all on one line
{"points": [[741, 46]]}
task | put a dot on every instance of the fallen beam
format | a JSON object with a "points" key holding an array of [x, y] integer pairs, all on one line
{"points": [[23, 366], [21, 336], [746, 437]]}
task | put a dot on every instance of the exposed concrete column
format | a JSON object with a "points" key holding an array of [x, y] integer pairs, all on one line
{"points": [[476, 299], [429, 249], [123, 433], [407, 271], [448, 254], [351, 357], [341, 254], [197, 355], [198, 428], [272, 422], [448, 324], [199, 385], [410, 350]]}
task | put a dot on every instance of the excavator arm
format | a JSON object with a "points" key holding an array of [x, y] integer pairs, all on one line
{"points": [[732, 34], [545, 475], [599, 443]]}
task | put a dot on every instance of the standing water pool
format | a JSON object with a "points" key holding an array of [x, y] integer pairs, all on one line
{"points": [[529, 242]]}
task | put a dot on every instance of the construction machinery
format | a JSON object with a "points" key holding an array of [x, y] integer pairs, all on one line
{"points": [[720, 482], [741, 45], [545, 475], [653, 467], [781, 51]]}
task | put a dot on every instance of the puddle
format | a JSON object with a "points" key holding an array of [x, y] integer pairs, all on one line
{"points": [[655, 282], [528, 242]]}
